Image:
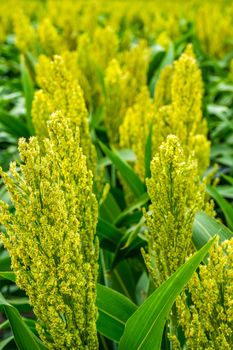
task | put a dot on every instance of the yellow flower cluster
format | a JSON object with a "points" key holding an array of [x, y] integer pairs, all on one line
{"points": [[176, 109], [185, 111], [162, 96], [26, 35], [14, 13], [208, 322], [123, 82], [106, 46], [136, 126], [216, 39], [176, 194], [153, 21], [50, 41], [60, 91], [51, 235]]}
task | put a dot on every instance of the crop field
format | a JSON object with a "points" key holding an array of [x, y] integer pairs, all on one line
{"points": [[116, 175]]}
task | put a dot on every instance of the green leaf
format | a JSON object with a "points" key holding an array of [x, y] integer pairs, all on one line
{"points": [[114, 310], [130, 177], [228, 178], [217, 110], [109, 208], [157, 54], [14, 126], [168, 59], [28, 90], [4, 325], [108, 234], [226, 191], [205, 227], [9, 275], [130, 243], [21, 304], [23, 336], [122, 279], [5, 342], [126, 154], [144, 329], [136, 205], [148, 153], [227, 209], [5, 261]]}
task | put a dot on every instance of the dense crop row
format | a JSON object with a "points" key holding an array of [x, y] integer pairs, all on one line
{"points": [[116, 175]]}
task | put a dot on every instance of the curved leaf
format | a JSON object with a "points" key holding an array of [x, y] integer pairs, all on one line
{"points": [[5, 342], [148, 153], [108, 234], [131, 178], [8, 275], [205, 227], [28, 90], [23, 336], [224, 205], [149, 319], [114, 310]]}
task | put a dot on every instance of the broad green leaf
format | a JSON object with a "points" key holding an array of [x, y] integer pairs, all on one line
{"points": [[144, 329], [109, 208], [28, 90], [9, 275], [108, 234], [23, 336], [122, 279], [31, 323], [226, 207], [114, 310], [5, 261], [205, 227], [130, 177], [21, 304]]}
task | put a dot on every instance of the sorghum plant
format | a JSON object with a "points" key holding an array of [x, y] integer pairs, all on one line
{"points": [[51, 234]]}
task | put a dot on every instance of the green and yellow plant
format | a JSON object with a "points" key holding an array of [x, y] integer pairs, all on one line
{"points": [[112, 177], [61, 92], [206, 313], [176, 195], [51, 235]]}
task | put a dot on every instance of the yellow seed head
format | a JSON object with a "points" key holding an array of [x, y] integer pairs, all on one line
{"points": [[176, 195], [51, 235], [61, 92]]}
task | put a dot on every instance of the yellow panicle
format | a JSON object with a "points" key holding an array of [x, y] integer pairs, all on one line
{"points": [[50, 236], [60, 91]]}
